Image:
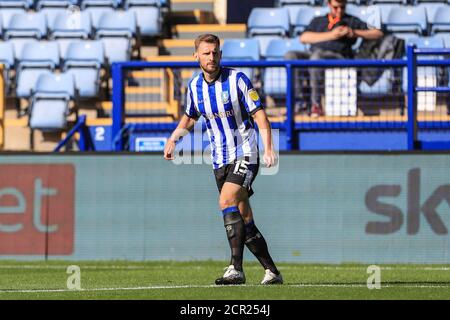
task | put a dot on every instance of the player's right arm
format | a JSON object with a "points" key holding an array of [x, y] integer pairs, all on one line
{"points": [[184, 126]]}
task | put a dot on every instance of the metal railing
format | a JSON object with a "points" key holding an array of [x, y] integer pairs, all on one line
{"points": [[409, 123]]}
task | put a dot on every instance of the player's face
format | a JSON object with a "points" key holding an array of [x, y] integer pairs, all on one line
{"points": [[337, 9], [208, 55]]}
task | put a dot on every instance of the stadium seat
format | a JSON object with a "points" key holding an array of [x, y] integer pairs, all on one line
{"points": [[39, 4], [304, 17], [397, 2], [440, 21], [128, 3], [70, 26], [36, 58], [369, 14], [148, 16], [274, 79], [97, 7], [9, 8], [51, 8], [241, 50], [23, 27], [245, 49], [268, 21], [417, 2], [100, 3], [50, 103], [7, 59], [445, 36], [424, 43], [25, 4], [85, 60], [297, 2], [427, 76], [117, 30], [266, 24], [407, 19]]}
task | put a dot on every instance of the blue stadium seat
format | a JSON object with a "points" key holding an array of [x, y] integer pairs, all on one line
{"points": [[70, 26], [97, 7], [116, 30], [407, 19], [445, 36], [397, 2], [440, 21], [7, 59], [6, 11], [85, 60], [432, 42], [266, 24], [268, 21], [424, 43], [26, 4], [23, 27], [100, 3], [277, 48], [369, 14], [36, 58], [7, 55], [304, 17], [148, 17], [241, 50], [296, 2], [51, 8], [41, 4], [128, 3], [50, 104], [430, 9], [416, 2], [274, 79]]}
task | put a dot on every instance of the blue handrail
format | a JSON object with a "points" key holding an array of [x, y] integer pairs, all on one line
{"points": [[289, 125], [85, 142]]}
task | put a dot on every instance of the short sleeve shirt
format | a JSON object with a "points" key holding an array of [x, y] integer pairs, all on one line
{"points": [[227, 105]]}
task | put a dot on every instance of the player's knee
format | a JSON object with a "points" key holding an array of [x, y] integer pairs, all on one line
{"points": [[225, 202]]}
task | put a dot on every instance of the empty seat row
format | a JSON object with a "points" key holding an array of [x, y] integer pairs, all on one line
{"points": [[117, 31], [85, 59], [39, 4], [148, 18]]}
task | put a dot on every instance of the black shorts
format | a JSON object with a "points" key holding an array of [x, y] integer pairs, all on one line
{"points": [[241, 172]]}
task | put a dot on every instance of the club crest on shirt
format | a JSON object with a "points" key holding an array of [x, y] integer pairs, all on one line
{"points": [[253, 95], [225, 97]]}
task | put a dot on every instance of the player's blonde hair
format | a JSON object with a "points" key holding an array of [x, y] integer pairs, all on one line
{"points": [[207, 37]]}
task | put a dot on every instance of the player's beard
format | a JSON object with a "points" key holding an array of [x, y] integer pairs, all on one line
{"points": [[211, 68]]}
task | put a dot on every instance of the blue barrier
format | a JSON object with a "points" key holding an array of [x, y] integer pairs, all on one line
{"points": [[289, 126], [413, 141]]}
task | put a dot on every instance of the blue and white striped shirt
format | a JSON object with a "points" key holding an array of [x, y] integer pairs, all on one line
{"points": [[227, 105]]}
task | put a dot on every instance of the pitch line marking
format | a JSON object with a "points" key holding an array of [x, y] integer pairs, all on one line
{"points": [[330, 285], [201, 267]]}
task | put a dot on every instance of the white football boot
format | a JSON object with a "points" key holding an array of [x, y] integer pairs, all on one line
{"points": [[231, 276], [272, 278]]}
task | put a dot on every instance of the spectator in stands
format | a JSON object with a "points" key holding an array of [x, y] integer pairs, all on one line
{"points": [[331, 37]]}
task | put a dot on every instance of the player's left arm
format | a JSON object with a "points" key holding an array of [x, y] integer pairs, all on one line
{"points": [[265, 131]]}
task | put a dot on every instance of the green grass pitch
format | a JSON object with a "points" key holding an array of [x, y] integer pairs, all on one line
{"points": [[164, 280]]}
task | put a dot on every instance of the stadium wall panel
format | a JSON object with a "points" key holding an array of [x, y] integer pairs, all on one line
{"points": [[318, 207]]}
